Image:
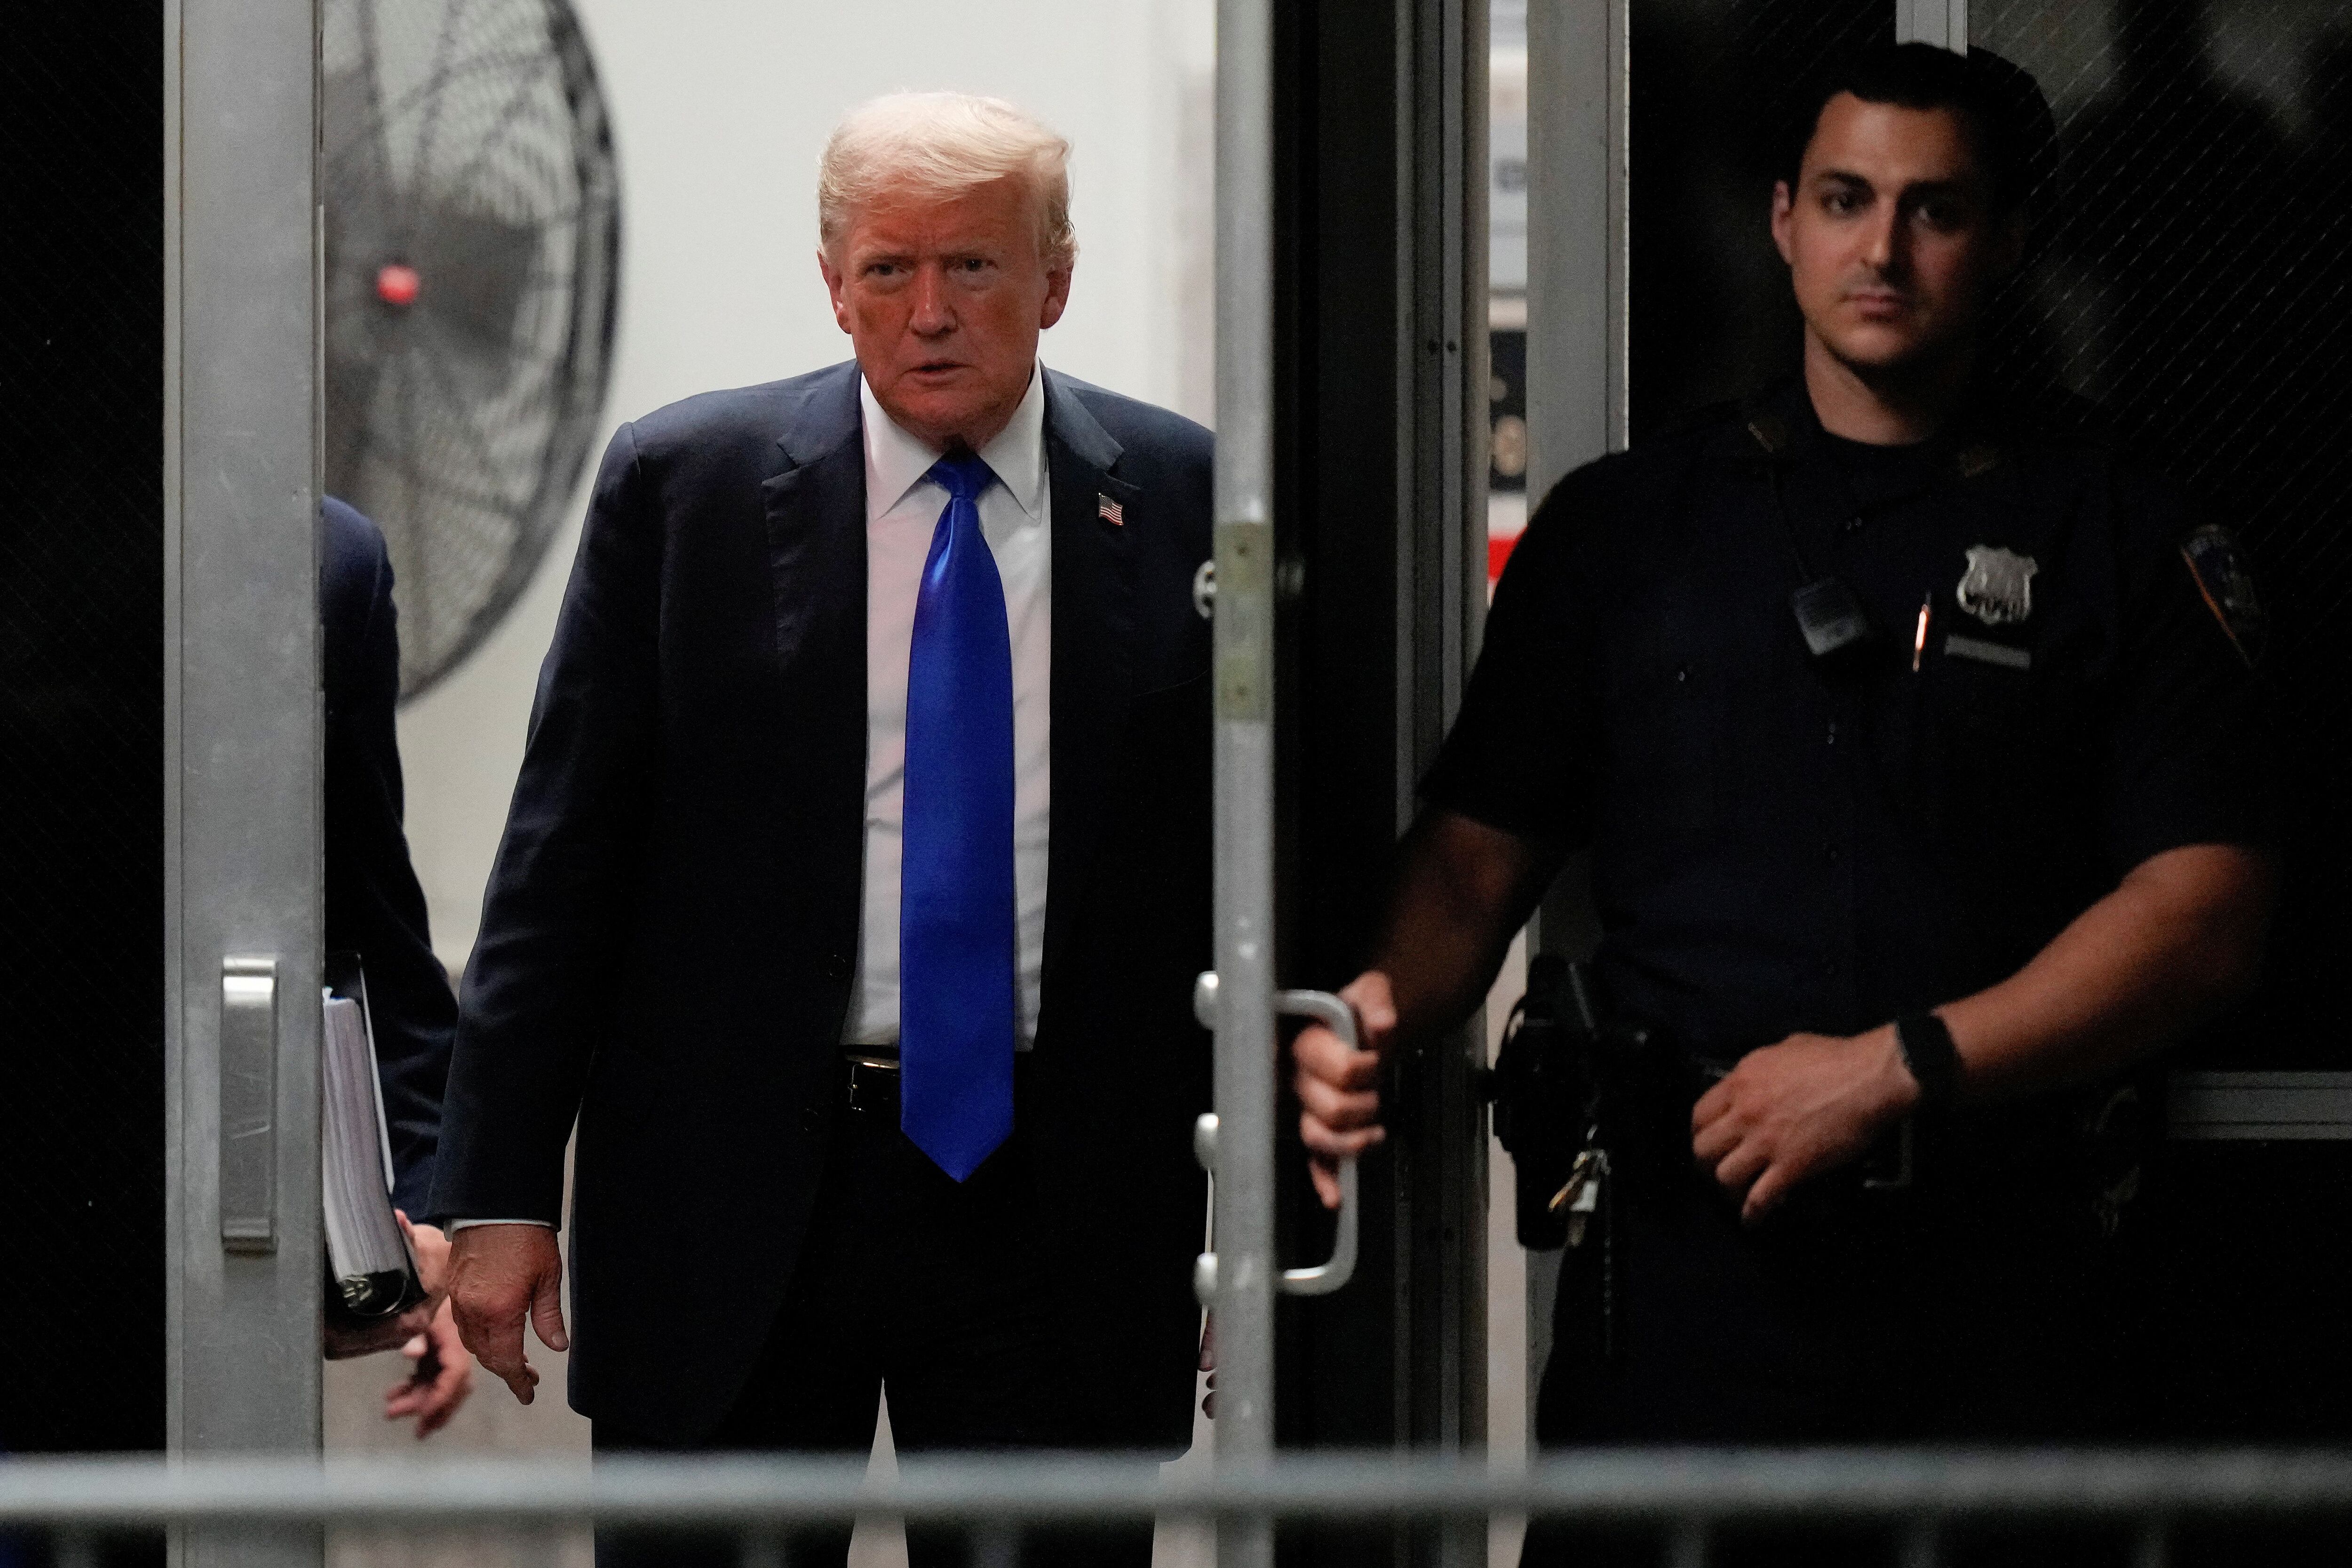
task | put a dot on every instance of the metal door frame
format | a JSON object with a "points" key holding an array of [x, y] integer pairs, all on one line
{"points": [[1440, 287], [243, 733], [1440, 1175]]}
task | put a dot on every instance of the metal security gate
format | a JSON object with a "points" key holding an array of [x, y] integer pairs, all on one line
{"points": [[2193, 276], [2201, 1508]]}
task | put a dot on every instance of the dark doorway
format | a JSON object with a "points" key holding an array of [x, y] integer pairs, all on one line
{"points": [[82, 706]]}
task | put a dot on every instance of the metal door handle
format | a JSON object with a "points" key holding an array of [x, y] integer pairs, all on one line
{"points": [[1335, 1270], [249, 1105]]}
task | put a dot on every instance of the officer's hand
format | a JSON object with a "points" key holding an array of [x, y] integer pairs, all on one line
{"points": [[342, 1340], [1339, 1090], [1789, 1111], [431, 1250], [439, 1377], [496, 1273]]}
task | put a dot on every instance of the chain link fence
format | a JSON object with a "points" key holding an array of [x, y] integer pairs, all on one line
{"points": [[2193, 276], [2189, 274]]}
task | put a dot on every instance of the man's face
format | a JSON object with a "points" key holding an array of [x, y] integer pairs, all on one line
{"points": [[943, 300], [1890, 238]]}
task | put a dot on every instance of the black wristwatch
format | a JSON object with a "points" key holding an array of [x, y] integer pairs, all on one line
{"points": [[1927, 1051]]}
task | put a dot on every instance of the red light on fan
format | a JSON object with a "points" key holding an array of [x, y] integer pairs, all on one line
{"points": [[396, 284]]}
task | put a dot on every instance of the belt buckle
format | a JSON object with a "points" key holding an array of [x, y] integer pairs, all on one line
{"points": [[867, 1070]]}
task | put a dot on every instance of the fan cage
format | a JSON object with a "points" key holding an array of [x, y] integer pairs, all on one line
{"points": [[473, 267]]}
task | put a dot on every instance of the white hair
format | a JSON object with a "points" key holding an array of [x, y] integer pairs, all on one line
{"points": [[942, 145]]}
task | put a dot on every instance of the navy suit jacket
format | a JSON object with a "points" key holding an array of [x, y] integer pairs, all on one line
{"points": [[374, 907], [667, 942]]}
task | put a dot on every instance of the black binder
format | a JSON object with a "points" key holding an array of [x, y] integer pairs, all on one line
{"points": [[371, 1271]]}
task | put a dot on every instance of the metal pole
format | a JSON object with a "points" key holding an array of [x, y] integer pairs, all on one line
{"points": [[242, 396], [1244, 644], [1579, 158], [1579, 60]]}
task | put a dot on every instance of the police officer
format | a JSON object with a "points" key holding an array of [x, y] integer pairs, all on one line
{"points": [[1911, 729]]}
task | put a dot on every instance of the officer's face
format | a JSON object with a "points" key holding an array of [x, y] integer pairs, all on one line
{"points": [[943, 300], [1890, 235]]}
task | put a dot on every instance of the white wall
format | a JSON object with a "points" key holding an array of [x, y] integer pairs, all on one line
{"points": [[720, 108]]}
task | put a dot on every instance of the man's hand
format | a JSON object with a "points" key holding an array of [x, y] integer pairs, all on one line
{"points": [[1339, 1090], [1791, 1111], [438, 1379], [497, 1274]]}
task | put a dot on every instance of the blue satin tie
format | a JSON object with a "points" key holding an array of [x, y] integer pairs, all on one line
{"points": [[956, 936]]}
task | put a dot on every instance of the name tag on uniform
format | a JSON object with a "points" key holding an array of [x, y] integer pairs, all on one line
{"points": [[1983, 652]]}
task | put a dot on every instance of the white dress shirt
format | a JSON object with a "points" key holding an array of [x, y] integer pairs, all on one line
{"points": [[902, 512]]}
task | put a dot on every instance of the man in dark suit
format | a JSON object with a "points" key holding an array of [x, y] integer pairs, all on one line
{"points": [[874, 746], [375, 909]]}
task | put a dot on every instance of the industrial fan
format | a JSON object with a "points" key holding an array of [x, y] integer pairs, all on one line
{"points": [[472, 259]]}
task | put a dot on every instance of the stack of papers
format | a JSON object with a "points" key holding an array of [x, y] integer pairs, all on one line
{"points": [[368, 1262]]}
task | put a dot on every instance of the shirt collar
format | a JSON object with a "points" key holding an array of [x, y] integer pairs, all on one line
{"points": [[896, 462]]}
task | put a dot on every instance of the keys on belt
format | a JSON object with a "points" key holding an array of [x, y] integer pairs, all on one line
{"points": [[1580, 1196]]}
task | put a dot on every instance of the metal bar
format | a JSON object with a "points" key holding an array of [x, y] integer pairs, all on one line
{"points": [[1579, 143], [1437, 1272], [1242, 641], [180, 1215], [1687, 1544], [1579, 107], [1943, 23], [1663, 1487], [2242, 1106], [1335, 1271]]}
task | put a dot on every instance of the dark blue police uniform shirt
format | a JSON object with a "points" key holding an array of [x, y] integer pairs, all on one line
{"points": [[1779, 845]]}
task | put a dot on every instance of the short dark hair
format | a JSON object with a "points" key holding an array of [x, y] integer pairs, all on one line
{"points": [[2007, 121]]}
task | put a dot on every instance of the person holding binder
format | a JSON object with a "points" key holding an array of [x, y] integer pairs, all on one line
{"points": [[375, 909]]}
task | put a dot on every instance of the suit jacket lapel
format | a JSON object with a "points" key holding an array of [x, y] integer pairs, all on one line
{"points": [[1092, 590], [816, 557], [817, 522]]}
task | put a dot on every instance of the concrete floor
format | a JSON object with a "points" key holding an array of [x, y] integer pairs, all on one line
{"points": [[492, 1421]]}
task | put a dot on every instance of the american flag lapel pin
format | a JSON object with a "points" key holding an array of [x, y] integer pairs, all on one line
{"points": [[1111, 511]]}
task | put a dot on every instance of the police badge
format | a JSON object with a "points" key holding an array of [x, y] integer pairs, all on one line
{"points": [[1998, 587]]}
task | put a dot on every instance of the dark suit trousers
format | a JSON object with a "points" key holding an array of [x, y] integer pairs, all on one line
{"points": [[938, 1293]]}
